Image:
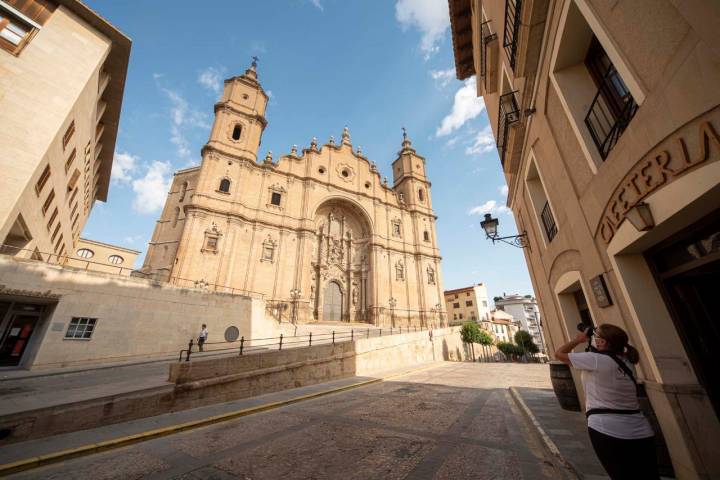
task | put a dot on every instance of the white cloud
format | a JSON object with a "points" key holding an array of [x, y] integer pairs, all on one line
{"points": [[151, 190], [503, 189], [491, 206], [132, 239], [483, 142], [317, 4], [466, 106], [183, 117], [443, 77], [431, 17], [124, 165], [212, 79], [157, 76]]}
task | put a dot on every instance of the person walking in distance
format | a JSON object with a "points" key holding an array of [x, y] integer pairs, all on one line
{"points": [[203, 337], [620, 434]]}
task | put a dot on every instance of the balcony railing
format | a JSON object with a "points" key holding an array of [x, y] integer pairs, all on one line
{"points": [[610, 112], [485, 37], [548, 222], [509, 114], [512, 27]]}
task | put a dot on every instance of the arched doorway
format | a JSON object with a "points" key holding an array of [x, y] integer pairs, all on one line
{"points": [[333, 302]]}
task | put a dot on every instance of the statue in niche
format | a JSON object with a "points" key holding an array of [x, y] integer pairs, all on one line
{"points": [[354, 296]]}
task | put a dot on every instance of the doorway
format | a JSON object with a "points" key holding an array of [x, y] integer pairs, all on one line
{"points": [[19, 321], [687, 269], [332, 303]]}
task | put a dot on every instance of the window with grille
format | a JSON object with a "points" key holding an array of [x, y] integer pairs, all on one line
{"points": [[85, 253], [115, 259], [14, 32], [81, 328]]}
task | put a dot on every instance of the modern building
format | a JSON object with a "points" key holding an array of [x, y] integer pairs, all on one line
{"points": [[525, 311], [607, 125], [318, 227], [469, 303], [63, 75]]}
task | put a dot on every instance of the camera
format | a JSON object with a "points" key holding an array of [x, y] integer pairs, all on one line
{"points": [[586, 328]]}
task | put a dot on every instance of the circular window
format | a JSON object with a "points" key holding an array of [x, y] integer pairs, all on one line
{"points": [[231, 334], [85, 253], [345, 173], [321, 170], [367, 184], [115, 259]]}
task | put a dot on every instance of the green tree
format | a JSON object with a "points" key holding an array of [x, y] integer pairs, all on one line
{"points": [[525, 342], [506, 348], [469, 333]]}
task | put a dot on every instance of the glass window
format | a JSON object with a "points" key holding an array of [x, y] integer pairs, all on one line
{"points": [[237, 130], [81, 328], [275, 199], [224, 185], [115, 259], [12, 31], [85, 253], [44, 177], [426, 236], [456, 305], [468, 303]]}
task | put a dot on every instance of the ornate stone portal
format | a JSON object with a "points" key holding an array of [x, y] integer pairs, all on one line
{"points": [[341, 258]]}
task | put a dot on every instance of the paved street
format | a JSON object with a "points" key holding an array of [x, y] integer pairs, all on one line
{"points": [[454, 421]]}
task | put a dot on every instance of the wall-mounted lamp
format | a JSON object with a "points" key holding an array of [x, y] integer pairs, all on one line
{"points": [[490, 226], [641, 217]]}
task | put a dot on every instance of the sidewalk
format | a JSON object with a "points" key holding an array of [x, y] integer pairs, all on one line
{"points": [[564, 432]]}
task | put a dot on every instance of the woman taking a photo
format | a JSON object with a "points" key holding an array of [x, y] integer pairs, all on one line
{"points": [[620, 434]]}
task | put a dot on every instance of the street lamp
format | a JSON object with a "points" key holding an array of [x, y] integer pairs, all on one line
{"points": [[392, 302], [490, 226], [295, 294]]}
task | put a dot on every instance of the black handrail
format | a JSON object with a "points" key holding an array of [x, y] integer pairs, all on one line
{"points": [[265, 344], [610, 112], [509, 114], [512, 27], [548, 222]]}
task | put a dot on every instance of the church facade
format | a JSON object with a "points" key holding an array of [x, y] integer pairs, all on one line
{"points": [[318, 231]]}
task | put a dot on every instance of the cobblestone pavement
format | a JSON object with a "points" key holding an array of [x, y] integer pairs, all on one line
{"points": [[455, 421]]}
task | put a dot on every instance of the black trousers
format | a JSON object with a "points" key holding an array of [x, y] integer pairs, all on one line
{"points": [[626, 459]]}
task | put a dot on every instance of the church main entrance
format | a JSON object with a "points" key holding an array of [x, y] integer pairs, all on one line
{"points": [[332, 306]]}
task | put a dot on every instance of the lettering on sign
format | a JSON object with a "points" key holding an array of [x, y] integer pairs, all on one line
{"points": [[659, 168]]}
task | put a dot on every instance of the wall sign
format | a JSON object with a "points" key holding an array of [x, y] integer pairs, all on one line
{"points": [[600, 290], [653, 171]]}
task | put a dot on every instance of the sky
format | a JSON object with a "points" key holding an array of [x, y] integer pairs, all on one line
{"points": [[373, 65]]}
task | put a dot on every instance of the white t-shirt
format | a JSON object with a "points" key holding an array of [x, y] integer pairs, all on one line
{"points": [[607, 386]]}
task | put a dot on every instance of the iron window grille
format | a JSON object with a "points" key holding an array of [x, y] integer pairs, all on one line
{"points": [[512, 28], [610, 112], [548, 222], [81, 328], [485, 37], [509, 115]]}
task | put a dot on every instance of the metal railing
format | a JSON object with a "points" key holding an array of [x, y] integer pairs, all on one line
{"points": [[485, 37], [548, 222], [610, 112], [509, 114], [512, 27], [243, 346], [212, 287]]}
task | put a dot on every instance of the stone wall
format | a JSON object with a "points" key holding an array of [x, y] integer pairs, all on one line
{"points": [[136, 318]]}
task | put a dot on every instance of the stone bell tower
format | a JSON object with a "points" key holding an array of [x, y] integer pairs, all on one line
{"points": [[409, 176], [240, 116]]}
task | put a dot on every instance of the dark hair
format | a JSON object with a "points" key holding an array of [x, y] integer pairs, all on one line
{"points": [[617, 341]]}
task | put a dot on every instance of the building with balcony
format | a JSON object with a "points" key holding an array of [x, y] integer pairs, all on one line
{"points": [[607, 125], [469, 303], [500, 325], [525, 311]]}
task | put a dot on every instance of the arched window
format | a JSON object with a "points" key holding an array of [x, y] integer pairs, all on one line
{"points": [[85, 253], [224, 185], [421, 194], [426, 236], [237, 131], [115, 259], [183, 191], [176, 217]]}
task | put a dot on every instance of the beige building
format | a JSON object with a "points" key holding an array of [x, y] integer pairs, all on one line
{"points": [[606, 118], [469, 303], [501, 325], [57, 149], [318, 227], [102, 257], [525, 311]]}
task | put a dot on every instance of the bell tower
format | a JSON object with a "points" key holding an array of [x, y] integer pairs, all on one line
{"points": [[409, 175], [240, 115]]}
